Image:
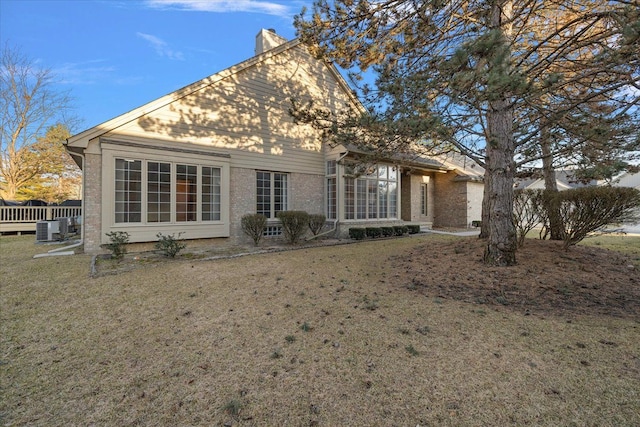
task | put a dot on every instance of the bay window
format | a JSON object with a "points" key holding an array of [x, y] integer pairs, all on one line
{"points": [[371, 195]]}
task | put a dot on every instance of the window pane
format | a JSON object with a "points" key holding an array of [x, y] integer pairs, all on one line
{"points": [[372, 194], [158, 192], [382, 198], [349, 198], [128, 190], [263, 193], [280, 192], [393, 199], [361, 199], [382, 172], [210, 194], [186, 193], [331, 167], [331, 198], [393, 175]]}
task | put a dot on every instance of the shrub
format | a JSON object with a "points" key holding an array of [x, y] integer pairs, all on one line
{"points": [[413, 228], [253, 225], [170, 245], [373, 232], [399, 230], [528, 211], [316, 223], [387, 231], [118, 246], [294, 224], [357, 233], [589, 209]]}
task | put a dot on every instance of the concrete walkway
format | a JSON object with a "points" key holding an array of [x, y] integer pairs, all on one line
{"points": [[470, 232]]}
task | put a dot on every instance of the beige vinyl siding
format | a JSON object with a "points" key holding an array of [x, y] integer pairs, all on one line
{"points": [[246, 115]]}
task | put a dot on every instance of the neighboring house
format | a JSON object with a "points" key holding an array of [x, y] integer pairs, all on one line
{"points": [[195, 161], [565, 180], [628, 179]]}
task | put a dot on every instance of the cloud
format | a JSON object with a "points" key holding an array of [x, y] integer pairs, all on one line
{"points": [[221, 6], [83, 73], [161, 47]]}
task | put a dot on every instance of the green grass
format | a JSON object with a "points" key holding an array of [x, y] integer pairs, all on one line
{"points": [[629, 245]]}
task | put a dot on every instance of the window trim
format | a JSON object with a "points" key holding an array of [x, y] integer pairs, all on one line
{"points": [[272, 212], [145, 231], [362, 189]]}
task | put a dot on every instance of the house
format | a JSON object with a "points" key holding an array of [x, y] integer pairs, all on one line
{"points": [[565, 180], [195, 161], [628, 179]]}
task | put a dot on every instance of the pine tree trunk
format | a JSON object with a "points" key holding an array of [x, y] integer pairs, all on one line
{"points": [[550, 184], [484, 225], [500, 150], [502, 243]]}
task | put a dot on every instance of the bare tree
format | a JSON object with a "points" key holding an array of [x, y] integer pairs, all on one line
{"points": [[29, 104]]}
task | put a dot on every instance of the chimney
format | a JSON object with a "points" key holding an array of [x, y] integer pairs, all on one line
{"points": [[267, 40]]}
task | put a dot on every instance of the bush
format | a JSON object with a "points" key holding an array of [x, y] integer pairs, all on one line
{"points": [[373, 232], [170, 245], [357, 233], [528, 211], [294, 224], [118, 246], [399, 230], [316, 223], [589, 209], [253, 225], [387, 231], [413, 229]]}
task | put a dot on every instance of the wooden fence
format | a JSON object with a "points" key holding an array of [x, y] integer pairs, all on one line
{"points": [[24, 218]]}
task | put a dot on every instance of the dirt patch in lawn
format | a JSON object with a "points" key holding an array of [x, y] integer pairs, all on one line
{"points": [[547, 279]]}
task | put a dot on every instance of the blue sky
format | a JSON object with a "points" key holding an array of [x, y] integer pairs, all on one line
{"points": [[116, 55]]}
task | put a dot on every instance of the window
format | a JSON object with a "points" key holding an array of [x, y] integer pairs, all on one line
{"points": [[186, 193], [272, 194], [210, 194], [331, 190], [158, 192], [164, 192], [372, 195], [128, 205], [423, 199]]}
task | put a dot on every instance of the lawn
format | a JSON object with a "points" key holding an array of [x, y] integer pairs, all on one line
{"points": [[367, 334]]}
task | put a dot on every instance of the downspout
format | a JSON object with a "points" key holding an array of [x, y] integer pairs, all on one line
{"points": [[333, 229], [65, 249]]}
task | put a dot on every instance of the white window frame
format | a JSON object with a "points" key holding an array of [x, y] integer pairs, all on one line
{"points": [[366, 195], [146, 230], [271, 210]]}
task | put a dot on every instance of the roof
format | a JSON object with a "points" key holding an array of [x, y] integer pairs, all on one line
{"points": [[565, 180]]}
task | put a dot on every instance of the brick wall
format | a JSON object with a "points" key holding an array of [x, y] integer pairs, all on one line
{"points": [[450, 204], [306, 193], [91, 220]]}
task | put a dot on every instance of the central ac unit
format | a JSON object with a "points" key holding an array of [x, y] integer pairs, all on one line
{"points": [[47, 231]]}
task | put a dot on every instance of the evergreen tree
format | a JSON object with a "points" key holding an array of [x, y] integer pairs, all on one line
{"points": [[475, 77]]}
